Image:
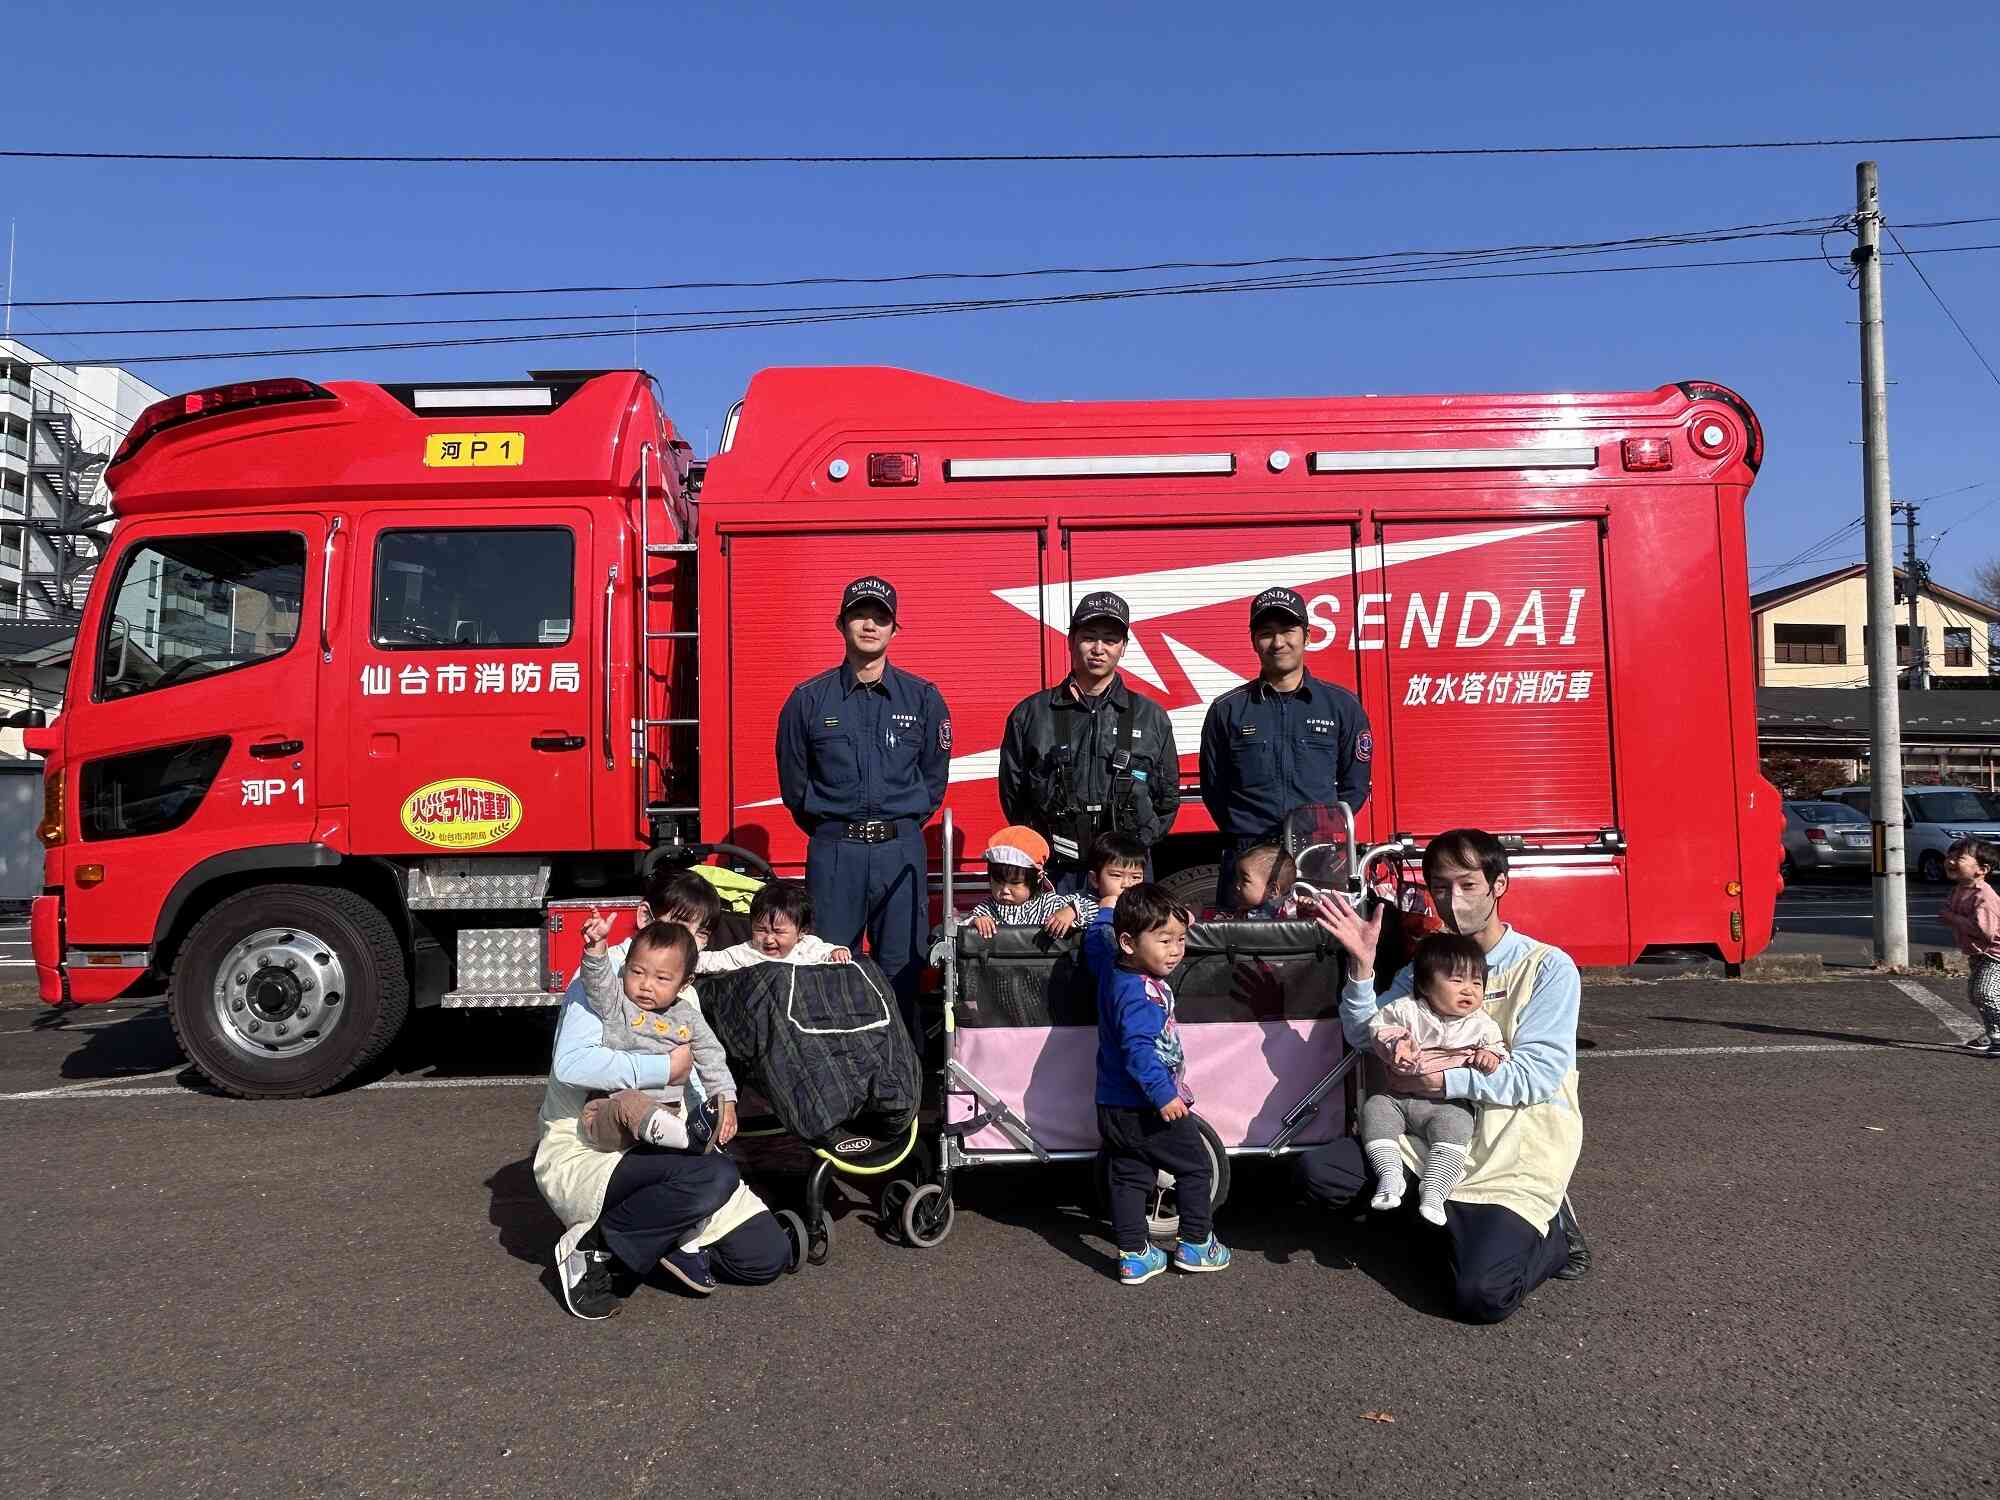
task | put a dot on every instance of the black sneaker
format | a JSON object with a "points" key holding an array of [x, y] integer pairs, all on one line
{"points": [[1578, 1265], [585, 1277], [690, 1269]]}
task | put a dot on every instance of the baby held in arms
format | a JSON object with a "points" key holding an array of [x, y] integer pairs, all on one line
{"points": [[1416, 1040]]}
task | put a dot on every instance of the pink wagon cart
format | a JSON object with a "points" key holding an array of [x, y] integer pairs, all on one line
{"points": [[1258, 1006]]}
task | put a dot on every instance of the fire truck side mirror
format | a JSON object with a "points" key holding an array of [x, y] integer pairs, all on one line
{"points": [[27, 718]]}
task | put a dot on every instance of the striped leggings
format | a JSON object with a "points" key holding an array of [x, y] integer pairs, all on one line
{"points": [[1983, 989]]}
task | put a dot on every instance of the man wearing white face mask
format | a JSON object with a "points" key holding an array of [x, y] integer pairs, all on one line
{"points": [[1509, 1221]]}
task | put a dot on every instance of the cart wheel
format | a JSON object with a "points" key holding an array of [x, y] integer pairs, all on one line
{"points": [[795, 1231], [1163, 1215], [895, 1197], [928, 1216], [821, 1244]]}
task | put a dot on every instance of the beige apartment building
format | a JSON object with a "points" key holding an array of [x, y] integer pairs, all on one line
{"points": [[1813, 633]]}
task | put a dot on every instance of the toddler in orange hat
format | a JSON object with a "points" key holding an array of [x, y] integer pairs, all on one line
{"points": [[1018, 891]]}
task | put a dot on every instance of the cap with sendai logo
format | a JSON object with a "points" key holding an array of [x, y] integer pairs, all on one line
{"points": [[1278, 601], [1101, 606], [869, 590]]}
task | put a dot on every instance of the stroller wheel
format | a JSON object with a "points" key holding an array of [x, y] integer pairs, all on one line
{"points": [[795, 1231], [894, 1198], [821, 1245], [928, 1216]]}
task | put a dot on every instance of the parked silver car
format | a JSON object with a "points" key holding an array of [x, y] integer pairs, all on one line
{"points": [[1821, 837], [1934, 818]]}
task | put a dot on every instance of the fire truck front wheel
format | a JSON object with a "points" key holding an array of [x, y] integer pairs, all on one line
{"points": [[283, 991]]}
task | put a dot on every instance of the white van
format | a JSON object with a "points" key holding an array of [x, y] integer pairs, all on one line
{"points": [[1934, 818]]}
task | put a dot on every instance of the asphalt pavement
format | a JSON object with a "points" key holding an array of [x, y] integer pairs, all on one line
{"points": [[349, 1296]]}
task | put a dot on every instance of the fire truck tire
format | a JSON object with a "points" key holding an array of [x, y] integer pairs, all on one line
{"points": [[286, 990], [1193, 887]]}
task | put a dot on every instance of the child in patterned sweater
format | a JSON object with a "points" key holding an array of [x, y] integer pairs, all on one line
{"points": [[1019, 893]]}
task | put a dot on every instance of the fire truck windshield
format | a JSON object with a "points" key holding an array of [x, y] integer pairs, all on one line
{"points": [[189, 607]]}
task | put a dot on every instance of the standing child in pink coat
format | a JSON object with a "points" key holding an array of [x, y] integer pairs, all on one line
{"points": [[1973, 915]]}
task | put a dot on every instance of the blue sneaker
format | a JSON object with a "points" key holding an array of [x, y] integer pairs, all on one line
{"points": [[1212, 1255], [1136, 1266], [690, 1269]]}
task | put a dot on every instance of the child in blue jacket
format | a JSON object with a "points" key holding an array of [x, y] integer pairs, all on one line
{"points": [[1143, 1102]]}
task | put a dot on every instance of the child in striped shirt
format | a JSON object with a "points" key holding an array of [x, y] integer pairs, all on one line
{"points": [[1019, 894]]}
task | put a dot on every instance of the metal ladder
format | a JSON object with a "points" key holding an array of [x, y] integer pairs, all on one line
{"points": [[687, 546]]}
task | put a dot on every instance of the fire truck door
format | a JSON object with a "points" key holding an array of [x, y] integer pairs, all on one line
{"points": [[195, 735], [1498, 696], [1190, 638], [474, 682]]}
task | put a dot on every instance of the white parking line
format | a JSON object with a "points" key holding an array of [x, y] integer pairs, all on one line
{"points": [[68, 1091], [1957, 1022], [1593, 1054]]}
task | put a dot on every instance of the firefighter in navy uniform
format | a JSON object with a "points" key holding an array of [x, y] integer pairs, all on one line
{"points": [[1285, 741], [1089, 756], [864, 753]]}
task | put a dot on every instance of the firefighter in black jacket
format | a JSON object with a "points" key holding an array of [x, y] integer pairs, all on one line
{"points": [[1089, 756]]}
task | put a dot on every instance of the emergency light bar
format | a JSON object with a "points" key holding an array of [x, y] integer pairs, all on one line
{"points": [[214, 402], [483, 398], [1390, 460], [1129, 466]]}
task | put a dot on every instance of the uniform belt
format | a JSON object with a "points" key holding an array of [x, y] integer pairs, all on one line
{"points": [[871, 831]]}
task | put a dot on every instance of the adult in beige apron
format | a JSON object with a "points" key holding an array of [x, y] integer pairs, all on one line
{"points": [[1507, 1224], [638, 1205]]}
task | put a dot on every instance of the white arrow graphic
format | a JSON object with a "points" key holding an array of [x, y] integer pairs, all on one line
{"points": [[1175, 591]]}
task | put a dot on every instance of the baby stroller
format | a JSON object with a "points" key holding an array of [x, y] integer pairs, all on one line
{"points": [[1258, 1008], [826, 1045]]}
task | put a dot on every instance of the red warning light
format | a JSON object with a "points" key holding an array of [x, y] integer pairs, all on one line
{"points": [[892, 468], [1642, 454]]}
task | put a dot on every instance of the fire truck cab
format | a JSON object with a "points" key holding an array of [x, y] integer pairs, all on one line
{"points": [[373, 678], [354, 695]]}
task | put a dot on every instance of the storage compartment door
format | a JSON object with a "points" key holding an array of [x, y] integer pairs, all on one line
{"points": [[1498, 697]]}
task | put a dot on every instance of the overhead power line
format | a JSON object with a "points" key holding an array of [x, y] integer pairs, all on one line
{"points": [[1331, 270], [967, 158], [1916, 266], [796, 318], [1802, 227]]}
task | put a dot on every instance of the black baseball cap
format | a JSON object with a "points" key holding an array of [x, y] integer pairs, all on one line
{"points": [[869, 590], [1101, 606], [1279, 601]]}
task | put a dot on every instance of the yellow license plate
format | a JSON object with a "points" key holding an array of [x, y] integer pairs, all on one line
{"points": [[474, 450]]}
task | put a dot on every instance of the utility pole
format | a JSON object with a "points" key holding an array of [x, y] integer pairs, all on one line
{"points": [[1885, 777], [1913, 571]]}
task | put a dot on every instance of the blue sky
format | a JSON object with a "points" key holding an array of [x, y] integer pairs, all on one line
{"points": [[497, 77]]}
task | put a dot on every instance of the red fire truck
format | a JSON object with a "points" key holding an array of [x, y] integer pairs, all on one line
{"points": [[374, 677]]}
